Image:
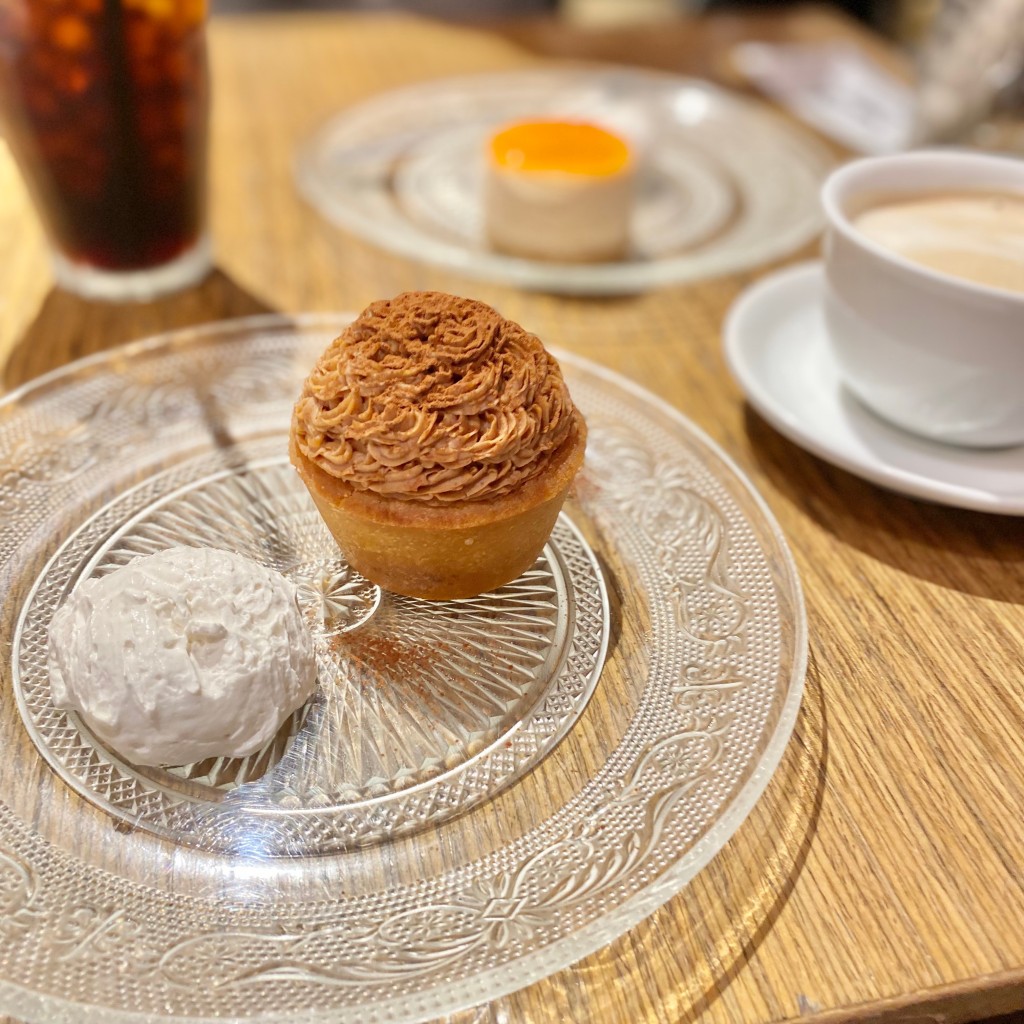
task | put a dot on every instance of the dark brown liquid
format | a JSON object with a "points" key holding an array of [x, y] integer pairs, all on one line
{"points": [[105, 106]]}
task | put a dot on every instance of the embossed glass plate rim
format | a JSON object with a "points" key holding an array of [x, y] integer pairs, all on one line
{"points": [[589, 939], [531, 967], [625, 277]]}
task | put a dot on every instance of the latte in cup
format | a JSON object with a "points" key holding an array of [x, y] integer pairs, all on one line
{"points": [[924, 291], [976, 236]]}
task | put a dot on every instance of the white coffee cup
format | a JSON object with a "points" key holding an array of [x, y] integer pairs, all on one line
{"points": [[935, 354]]}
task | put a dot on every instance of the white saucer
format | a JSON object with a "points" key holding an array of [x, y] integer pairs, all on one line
{"points": [[778, 351]]}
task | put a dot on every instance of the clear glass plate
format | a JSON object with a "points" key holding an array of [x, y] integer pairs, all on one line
{"points": [[482, 791], [725, 183]]}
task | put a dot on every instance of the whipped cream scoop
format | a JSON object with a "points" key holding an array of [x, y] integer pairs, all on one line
{"points": [[182, 655]]}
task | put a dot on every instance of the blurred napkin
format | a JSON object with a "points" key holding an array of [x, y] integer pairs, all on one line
{"points": [[836, 88], [970, 58]]}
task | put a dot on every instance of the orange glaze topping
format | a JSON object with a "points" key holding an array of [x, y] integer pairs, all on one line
{"points": [[571, 147]]}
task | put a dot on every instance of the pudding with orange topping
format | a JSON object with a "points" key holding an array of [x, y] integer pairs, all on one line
{"points": [[559, 191], [438, 441]]}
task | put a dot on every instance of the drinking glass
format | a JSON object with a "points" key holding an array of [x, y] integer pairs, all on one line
{"points": [[104, 104]]}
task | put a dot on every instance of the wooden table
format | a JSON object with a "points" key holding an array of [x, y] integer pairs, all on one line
{"points": [[882, 874]]}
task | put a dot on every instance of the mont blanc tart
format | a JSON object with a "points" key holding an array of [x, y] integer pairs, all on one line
{"points": [[559, 191], [438, 441]]}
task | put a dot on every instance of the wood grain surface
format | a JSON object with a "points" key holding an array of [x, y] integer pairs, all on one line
{"points": [[881, 877]]}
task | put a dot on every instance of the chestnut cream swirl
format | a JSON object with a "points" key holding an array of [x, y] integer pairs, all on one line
{"points": [[433, 398]]}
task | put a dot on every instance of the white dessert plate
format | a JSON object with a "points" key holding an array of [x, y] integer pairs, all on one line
{"points": [[726, 184], [778, 350], [475, 798]]}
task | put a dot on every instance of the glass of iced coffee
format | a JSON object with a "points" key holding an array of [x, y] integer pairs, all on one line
{"points": [[104, 104]]}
